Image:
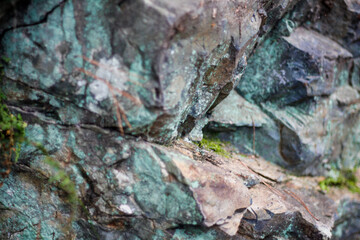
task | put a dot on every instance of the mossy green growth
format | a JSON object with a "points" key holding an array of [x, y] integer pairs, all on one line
{"points": [[12, 131], [344, 178], [63, 180], [12, 135], [214, 144], [5, 59], [12, 128]]}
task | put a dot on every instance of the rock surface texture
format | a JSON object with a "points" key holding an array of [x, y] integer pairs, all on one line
{"points": [[168, 62], [112, 92], [303, 78]]}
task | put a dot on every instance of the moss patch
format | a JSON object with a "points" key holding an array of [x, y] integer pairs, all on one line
{"points": [[344, 178], [212, 143], [12, 131]]}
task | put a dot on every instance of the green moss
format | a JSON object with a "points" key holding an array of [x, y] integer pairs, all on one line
{"points": [[12, 135], [12, 128], [12, 131], [344, 178], [5, 59], [212, 143], [63, 180]]}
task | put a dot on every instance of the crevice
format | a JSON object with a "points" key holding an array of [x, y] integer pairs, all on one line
{"points": [[264, 176], [93, 127], [92, 195], [351, 70], [41, 21], [188, 122], [50, 120], [26, 85]]}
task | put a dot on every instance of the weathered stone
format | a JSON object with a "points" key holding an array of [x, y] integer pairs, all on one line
{"points": [[217, 193], [348, 220], [29, 208], [339, 21], [123, 183], [79, 71], [294, 68], [246, 127], [300, 82], [102, 60], [355, 77]]}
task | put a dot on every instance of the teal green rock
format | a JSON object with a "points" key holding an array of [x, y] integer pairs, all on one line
{"points": [[28, 209], [347, 220], [159, 199], [195, 233], [247, 127], [101, 63], [109, 88], [355, 78], [129, 189], [295, 81]]}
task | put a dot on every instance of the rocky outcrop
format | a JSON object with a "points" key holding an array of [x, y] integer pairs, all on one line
{"points": [[304, 83], [167, 62], [124, 183], [348, 220], [112, 91]]}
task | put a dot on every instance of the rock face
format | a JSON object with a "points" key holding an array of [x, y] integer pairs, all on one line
{"points": [[247, 127], [348, 220], [109, 88], [134, 188], [304, 83], [165, 82]]}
